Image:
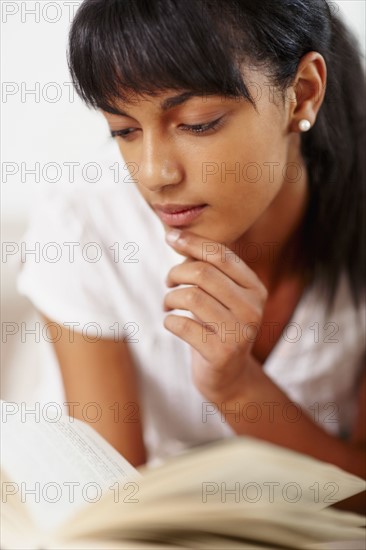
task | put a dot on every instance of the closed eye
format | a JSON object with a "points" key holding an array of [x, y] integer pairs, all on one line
{"points": [[205, 128], [198, 129]]}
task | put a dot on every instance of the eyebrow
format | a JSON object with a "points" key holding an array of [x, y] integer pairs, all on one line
{"points": [[166, 105]]}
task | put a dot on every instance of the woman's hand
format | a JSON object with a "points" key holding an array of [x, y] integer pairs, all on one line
{"points": [[227, 301]]}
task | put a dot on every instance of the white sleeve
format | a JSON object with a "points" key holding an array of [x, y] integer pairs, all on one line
{"points": [[62, 266]]}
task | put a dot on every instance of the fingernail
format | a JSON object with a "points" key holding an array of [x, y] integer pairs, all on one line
{"points": [[173, 235]]}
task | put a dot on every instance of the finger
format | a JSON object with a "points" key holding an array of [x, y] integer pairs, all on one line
{"points": [[198, 336], [187, 261], [220, 256], [213, 281], [240, 301], [202, 305]]}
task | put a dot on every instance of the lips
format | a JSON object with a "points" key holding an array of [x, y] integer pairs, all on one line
{"points": [[174, 208], [177, 215]]}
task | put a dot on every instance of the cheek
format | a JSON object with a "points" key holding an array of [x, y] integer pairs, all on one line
{"points": [[246, 173], [242, 182]]}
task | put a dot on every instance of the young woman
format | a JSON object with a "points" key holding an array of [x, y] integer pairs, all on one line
{"points": [[248, 118]]}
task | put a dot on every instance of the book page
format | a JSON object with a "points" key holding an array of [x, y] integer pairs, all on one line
{"points": [[183, 524], [203, 541], [245, 470], [57, 467], [283, 495], [17, 531], [243, 487], [349, 544]]}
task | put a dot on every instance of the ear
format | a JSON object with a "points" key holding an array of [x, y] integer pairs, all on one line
{"points": [[308, 90]]}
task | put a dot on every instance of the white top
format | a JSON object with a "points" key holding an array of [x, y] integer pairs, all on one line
{"points": [[317, 361]]}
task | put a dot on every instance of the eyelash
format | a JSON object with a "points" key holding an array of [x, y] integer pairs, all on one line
{"points": [[198, 129]]}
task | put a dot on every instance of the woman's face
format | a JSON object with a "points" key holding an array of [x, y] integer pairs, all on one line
{"points": [[237, 168]]}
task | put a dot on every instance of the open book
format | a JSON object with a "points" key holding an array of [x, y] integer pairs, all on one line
{"points": [[64, 487]]}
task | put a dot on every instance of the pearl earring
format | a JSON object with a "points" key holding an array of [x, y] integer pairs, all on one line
{"points": [[304, 125]]}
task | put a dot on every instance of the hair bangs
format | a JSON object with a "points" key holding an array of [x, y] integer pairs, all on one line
{"points": [[130, 48]]}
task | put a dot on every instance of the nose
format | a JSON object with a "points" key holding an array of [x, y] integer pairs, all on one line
{"points": [[160, 166]]}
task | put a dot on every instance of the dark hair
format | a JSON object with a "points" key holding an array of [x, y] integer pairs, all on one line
{"points": [[118, 48]]}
